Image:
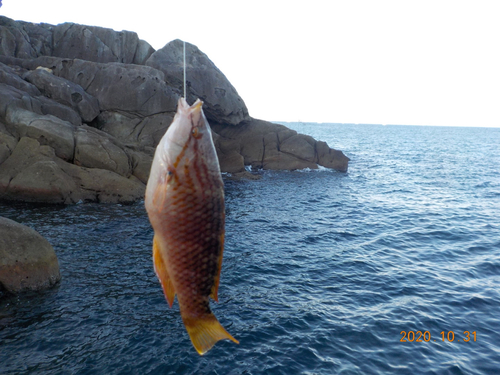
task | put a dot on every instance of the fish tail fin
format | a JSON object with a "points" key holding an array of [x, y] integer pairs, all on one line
{"points": [[204, 332]]}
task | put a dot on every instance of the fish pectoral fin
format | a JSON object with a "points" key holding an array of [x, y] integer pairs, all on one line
{"points": [[204, 332], [215, 287], [162, 274]]}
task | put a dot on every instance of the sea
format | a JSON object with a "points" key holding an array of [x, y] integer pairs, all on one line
{"points": [[390, 268]]}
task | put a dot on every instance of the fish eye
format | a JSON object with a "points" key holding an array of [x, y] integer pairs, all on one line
{"points": [[196, 132]]}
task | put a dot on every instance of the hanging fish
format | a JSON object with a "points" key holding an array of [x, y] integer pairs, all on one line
{"points": [[185, 204]]}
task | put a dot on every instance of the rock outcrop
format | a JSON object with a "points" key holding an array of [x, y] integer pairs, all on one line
{"points": [[82, 109], [27, 260]]}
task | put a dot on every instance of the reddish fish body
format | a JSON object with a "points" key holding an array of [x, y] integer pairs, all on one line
{"points": [[185, 204]]}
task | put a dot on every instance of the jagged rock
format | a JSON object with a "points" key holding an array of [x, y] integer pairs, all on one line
{"points": [[65, 92], [221, 102], [27, 260]]}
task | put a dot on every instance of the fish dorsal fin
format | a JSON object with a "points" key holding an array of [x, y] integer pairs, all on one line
{"points": [[162, 273], [215, 287]]}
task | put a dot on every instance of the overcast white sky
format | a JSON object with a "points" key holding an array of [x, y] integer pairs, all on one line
{"points": [[357, 61]]}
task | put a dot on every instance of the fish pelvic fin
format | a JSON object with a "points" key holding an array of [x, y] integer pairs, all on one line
{"points": [[162, 274], [205, 331]]}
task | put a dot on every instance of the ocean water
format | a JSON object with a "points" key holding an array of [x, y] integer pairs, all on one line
{"points": [[380, 270]]}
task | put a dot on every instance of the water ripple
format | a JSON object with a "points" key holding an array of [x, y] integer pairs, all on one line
{"points": [[322, 270]]}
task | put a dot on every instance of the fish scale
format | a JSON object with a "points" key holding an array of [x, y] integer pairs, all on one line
{"points": [[185, 205]]}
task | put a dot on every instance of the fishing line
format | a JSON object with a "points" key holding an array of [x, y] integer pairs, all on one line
{"points": [[184, 53]]}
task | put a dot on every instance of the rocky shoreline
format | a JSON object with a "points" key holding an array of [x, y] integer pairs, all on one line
{"points": [[82, 109]]}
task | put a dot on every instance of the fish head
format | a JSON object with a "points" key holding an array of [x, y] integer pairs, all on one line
{"points": [[187, 146], [187, 133], [189, 139]]}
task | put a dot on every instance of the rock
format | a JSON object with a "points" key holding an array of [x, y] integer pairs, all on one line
{"points": [[82, 109], [27, 260], [47, 129], [7, 144], [331, 158], [136, 89], [105, 186], [99, 44], [33, 173], [272, 146], [301, 146], [65, 92], [14, 40], [231, 162], [96, 149], [68, 40], [51, 107], [141, 165], [10, 77], [132, 129], [15, 92], [222, 103]]}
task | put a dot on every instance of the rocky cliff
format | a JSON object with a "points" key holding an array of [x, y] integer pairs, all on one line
{"points": [[82, 109]]}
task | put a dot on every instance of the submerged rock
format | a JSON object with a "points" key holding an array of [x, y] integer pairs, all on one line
{"points": [[27, 260], [82, 109]]}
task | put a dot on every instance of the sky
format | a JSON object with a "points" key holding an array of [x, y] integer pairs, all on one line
{"points": [[354, 61]]}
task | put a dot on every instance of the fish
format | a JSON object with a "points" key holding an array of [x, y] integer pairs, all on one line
{"points": [[185, 205]]}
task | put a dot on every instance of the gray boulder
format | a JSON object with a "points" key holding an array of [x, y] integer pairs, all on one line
{"points": [[221, 102], [27, 260]]}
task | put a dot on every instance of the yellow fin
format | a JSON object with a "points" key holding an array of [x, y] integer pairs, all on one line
{"points": [[215, 287], [161, 272], [204, 332]]}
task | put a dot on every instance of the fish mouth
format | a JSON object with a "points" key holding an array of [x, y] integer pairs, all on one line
{"points": [[196, 107], [196, 112]]}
